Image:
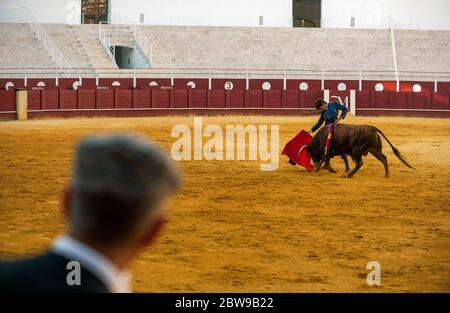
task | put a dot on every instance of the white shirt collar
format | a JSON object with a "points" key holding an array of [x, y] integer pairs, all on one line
{"points": [[115, 280]]}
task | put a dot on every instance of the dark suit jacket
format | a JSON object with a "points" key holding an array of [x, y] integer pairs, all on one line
{"points": [[46, 273]]}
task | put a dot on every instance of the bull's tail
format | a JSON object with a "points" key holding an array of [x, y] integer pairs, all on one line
{"points": [[395, 150]]}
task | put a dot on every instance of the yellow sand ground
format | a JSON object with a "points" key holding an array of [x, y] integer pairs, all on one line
{"points": [[235, 228]]}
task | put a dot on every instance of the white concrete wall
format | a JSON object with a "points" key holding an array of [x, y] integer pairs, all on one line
{"points": [[276, 13], [406, 14], [46, 11]]}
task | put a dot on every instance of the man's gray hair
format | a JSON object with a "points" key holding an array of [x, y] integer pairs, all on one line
{"points": [[117, 180]]}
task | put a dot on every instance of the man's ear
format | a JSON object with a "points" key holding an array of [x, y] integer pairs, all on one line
{"points": [[67, 202]]}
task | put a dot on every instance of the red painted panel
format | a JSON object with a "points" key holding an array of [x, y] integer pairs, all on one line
{"points": [[18, 83], [180, 98], [49, 83], [34, 99], [257, 83], [88, 83], [199, 83], [380, 100], [400, 100], [141, 98], [68, 99], [67, 83], [310, 98], [105, 99], [440, 101], [217, 98], [443, 87], [220, 83], [388, 85], [236, 98], [255, 98], [408, 86], [362, 99], [292, 98], [350, 84], [144, 82], [294, 84], [50, 99], [86, 99], [125, 83], [160, 98], [420, 101], [123, 98], [7, 100], [272, 98], [198, 98]]}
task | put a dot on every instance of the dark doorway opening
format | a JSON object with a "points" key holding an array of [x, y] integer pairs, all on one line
{"points": [[306, 13], [94, 11]]}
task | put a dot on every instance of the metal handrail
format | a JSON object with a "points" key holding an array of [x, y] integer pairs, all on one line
{"points": [[107, 42], [42, 36], [142, 43], [225, 73]]}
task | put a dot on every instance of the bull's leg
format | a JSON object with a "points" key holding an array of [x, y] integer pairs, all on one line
{"points": [[383, 159], [347, 167], [327, 165], [359, 163]]}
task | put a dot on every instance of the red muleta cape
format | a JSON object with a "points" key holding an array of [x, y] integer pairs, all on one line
{"points": [[292, 150]]}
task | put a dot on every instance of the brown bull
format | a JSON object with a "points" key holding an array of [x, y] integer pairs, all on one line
{"points": [[353, 140]]}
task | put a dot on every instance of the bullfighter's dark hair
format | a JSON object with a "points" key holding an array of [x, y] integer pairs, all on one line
{"points": [[319, 103]]}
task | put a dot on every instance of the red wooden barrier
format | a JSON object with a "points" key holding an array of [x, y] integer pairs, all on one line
{"points": [[34, 100], [218, 98], [236, 98], [274, 83], [141, 98], [86, 99], [7, 100], [254, 98], [349, 84], [198, 98], [235, 83], [272, 98], [183, 83], [105, 99], [68, 99], [180, 98], [161, 98], [50, 99]]}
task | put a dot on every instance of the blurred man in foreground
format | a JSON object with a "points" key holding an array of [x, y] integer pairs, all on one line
{"points": [[114, 207]]}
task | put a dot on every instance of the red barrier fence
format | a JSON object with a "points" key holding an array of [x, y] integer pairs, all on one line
{"points": [[157, 101]]}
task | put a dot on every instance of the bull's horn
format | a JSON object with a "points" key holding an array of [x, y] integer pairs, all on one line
{"points": [[301, 149]]}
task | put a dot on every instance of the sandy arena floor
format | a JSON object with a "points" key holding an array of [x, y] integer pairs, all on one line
{"points": [[235, 228]]}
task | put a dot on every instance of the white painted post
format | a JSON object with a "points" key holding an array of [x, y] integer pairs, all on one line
{"points": [[134, 78], [326, 95], [284, 79], [247, 81], [25, 79], [322, 82], [353, 102], [80, 80], [210, 80], [171, 79], [360, 81], [435, 82]]}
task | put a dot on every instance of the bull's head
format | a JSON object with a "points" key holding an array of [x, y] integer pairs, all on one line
{"points": [[316, 155]]}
